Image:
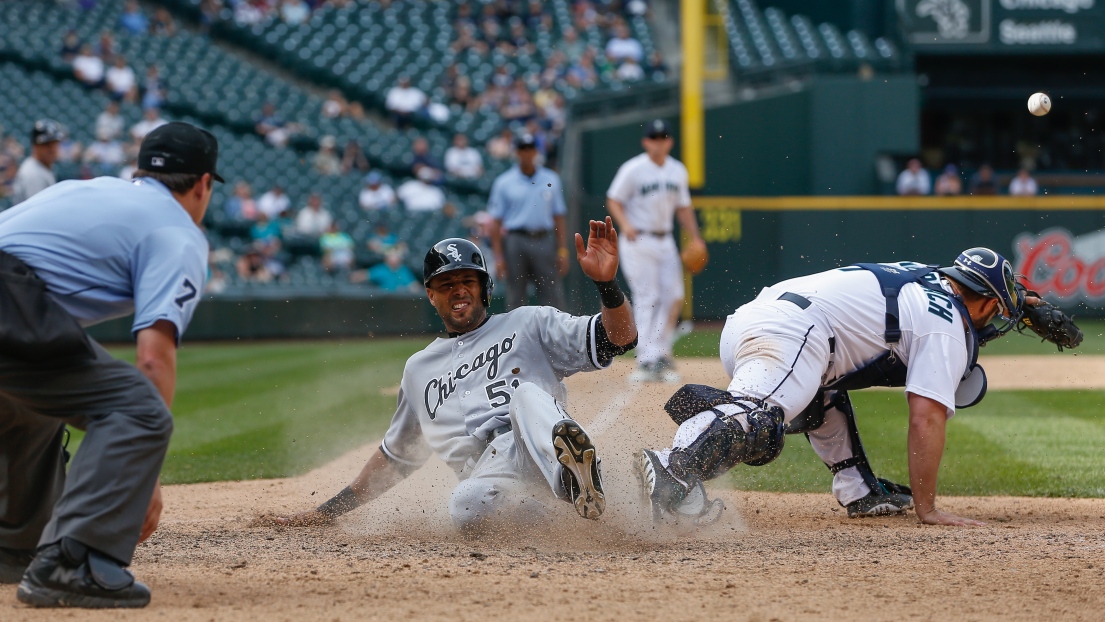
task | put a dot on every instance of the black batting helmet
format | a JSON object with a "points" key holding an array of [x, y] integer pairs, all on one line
{"points": [[457, 254], [46, 131]]}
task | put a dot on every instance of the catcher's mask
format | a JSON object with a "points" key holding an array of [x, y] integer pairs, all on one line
{"points": [[988, 274], [457, 254]]}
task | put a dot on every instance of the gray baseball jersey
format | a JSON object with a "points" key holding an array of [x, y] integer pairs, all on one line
{"points": [[457, 390], [33, 177]]}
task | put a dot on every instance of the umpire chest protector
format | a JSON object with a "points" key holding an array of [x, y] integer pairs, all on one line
{"points": [[889, 370]]}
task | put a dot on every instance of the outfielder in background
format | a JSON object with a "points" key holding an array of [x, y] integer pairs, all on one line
{"points": [[795, 352], [73, 255], [489, 398], [647, 191], [36, 173]]}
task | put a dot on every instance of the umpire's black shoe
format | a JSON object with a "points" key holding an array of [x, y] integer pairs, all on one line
{"points": [[69, 574], [13, 563], [582, 481]]}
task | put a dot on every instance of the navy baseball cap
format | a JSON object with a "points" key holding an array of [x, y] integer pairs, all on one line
{"points": [[657, 128], [47, 131], [524, 140], [180, 147]]}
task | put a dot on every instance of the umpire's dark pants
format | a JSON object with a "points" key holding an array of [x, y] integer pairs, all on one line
{"points": [[102, 501], [531, 258]]}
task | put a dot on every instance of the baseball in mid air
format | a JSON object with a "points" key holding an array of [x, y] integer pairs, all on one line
{"points": [[1039, 104]]}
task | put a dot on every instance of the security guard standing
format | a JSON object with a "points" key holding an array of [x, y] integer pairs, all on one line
{"points": [[36, 173], [527, 202], [73, 255]]}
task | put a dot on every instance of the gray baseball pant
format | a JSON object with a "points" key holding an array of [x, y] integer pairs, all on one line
{"points": [[103, 500], [531, 259], [518, 474]]}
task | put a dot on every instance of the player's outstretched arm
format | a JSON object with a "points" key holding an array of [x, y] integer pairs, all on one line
{"points": [[599, 261], [376, 478], [927, 419]]}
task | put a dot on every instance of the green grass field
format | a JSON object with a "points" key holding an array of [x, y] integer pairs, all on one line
{"points": [[248, 411]]}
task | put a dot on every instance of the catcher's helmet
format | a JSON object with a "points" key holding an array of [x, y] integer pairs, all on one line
{"points": [[46, 131], [457, 254], [988, 274]]}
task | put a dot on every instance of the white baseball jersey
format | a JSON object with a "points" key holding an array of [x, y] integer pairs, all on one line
{"points": [[651, 193], [457, 390], [33, 177], [934, 339]]}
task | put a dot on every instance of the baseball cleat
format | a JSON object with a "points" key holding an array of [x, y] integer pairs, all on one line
{"points": [[69, 574], [13, 563], [877, 504], [576, 453], [671, 498], [665, 369], [645, 372]]}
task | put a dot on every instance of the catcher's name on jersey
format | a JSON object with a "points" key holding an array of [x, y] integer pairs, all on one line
{"points": [[457, 390]]}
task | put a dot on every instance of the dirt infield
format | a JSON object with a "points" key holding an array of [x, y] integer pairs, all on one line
{"points": [[774, 557]]}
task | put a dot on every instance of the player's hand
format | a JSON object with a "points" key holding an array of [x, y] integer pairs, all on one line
{"points": [[936, 517], [562, 263], [599, 259], [309, 518], [153, 513]]}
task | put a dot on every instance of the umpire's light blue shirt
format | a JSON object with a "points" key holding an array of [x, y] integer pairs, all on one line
{"points": [[107, 247], [523, 202]]}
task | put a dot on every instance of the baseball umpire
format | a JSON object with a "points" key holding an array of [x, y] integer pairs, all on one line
{"points": [[647, 191], [795, 352], [489, 399], [75, 254], [36, 173]]}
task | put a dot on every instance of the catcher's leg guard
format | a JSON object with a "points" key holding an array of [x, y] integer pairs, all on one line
{"points": [[716, 440]]}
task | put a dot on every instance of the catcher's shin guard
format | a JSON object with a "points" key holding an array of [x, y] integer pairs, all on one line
{"points": [[723, 443]]}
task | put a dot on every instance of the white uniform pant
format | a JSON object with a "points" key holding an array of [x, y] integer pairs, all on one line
{"points": [[773, 350], [655, 274], [517, 476]]}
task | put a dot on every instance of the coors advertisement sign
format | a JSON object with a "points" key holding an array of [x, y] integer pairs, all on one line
{"points": [[1066, 269]]}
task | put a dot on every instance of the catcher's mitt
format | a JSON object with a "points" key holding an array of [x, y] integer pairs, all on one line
{"points": [[1051, 324], [695, 258]]}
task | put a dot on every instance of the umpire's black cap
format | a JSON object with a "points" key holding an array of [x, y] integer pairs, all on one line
{"points": [[525, 140], [180, 147], [657, 128], [47, 131]]}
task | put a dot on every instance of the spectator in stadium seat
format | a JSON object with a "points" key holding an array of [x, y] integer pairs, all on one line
{"points": [[501, 146], [153, 91], [630, 71], [424, 165], [353, 158], [914, 179], [209, 14], [110, 121], [105, 155], [250, 12], [241, 206], [120, 82], [393, 275], [162, 23], [375, 194], [274, 202], [383, 241], [327, 162], [294, 12], [70, 46], [519, 38], [337, 249], [983, 182], [127, 172], [252, 267], [272, 127], [404, 102], [335, 105], [948, 183], [655, 67], [105, 47], [622, 46], [88, 67], [571, 44], [133, 20], [582, 74], [462, 160], [418, 196], [151, 120], [265, 230], [519, 106], [1023, 185], [461, 96], [468, 40], [314, 219]]}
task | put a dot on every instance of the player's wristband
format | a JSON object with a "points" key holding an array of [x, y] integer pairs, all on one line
{"points": [[611, 295], [344, 501]]}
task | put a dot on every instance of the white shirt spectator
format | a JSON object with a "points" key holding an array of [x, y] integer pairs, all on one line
{"points": [[630, 71], [382, 197], [1023, 186], [109, 152], [120, 80], [273, 204], [312, 223], [145, 126], [295, 12], [419, 196], [89, 68], [405, 100], [110, 125], [619, 48], [910, 182], [465, 163]]}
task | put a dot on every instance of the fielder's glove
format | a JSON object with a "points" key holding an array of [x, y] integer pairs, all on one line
{"points": [[1051, 324]]}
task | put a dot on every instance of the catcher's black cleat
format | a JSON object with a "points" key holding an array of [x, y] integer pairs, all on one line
{"points": [[878, 504], [576, 453], [69, 574], [13, 563], [671, 498]]}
